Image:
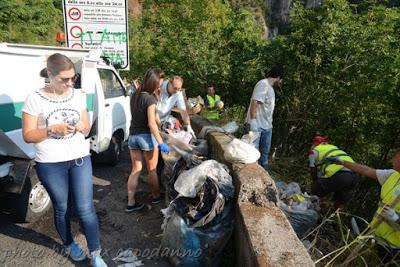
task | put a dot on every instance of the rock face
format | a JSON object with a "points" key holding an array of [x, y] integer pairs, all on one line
{"points": [[277, 14], [273, 15]]}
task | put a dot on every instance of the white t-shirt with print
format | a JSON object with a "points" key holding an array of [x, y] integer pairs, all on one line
{"points": [[168, 102], [55, 111], [264, 93]]}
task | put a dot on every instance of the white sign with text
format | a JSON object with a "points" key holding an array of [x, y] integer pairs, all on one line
{"points": [[99, 24]]}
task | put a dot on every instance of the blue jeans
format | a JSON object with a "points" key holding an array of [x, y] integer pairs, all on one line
{"points": [[263, 144], [70, 182]]}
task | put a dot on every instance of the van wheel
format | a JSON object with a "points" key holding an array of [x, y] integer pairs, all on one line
{"points": [[33, 202], [114, 150]]}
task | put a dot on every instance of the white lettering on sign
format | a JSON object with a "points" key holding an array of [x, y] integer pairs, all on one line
{"points": [[99, 24]]}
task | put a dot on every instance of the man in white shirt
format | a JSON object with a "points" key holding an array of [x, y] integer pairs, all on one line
{"points": [[261, 110], [171, 96]]}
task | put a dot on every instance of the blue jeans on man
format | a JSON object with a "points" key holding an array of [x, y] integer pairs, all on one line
{"points": [[263, 144], [70, 182]]}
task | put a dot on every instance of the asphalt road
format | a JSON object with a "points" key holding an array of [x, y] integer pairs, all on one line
{"points": [[38, 244]]}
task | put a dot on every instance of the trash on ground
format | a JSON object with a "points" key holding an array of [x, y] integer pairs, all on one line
{"points": [[300, 208], [129, 259], [231, 127]]}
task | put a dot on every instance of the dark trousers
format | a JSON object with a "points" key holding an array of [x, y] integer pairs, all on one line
{"points": [[341, 184]]}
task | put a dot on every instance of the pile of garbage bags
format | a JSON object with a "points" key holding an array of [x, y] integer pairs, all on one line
{"points": [[300, 208], [198, 222]]}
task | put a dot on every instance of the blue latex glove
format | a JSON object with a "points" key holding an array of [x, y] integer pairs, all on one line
{"points": [[163, 148]]}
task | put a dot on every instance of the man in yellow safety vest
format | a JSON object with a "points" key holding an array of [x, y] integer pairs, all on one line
{"points": [[386, 221], [330, 178], [213, 104]]}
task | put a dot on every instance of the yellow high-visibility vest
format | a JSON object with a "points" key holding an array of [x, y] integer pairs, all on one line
{"points": [[212, 114], [384, 230], [326, 151]]}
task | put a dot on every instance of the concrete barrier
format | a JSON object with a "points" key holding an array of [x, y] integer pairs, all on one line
{"points": [[263, 236]]}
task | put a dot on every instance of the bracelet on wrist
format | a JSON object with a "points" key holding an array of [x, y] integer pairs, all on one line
{"points": [[49, 131]]}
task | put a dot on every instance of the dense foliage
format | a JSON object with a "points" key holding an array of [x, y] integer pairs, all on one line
{"points": [[204, 41], [343, 79], [30, 21]]}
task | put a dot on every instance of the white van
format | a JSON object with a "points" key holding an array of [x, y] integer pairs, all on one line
{"points": [[108, 103]]}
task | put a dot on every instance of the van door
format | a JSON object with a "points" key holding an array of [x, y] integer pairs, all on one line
{"points": [[115, 114]]}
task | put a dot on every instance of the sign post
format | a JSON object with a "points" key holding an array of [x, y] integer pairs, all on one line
{"points": [[99, 24]]}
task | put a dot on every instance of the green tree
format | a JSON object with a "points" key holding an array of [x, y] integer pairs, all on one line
{"points": [[204, 41], [30, 21], [342, 79]]}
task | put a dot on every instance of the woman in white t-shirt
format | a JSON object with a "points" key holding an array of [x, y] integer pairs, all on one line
{"points": [[55, 120]]}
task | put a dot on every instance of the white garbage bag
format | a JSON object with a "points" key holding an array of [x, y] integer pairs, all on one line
{"points": [[238, 151], [250, 137], [231, 127], [190, 181]]}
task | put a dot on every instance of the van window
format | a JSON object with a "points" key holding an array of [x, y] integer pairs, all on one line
{"points": [[112, 87]]}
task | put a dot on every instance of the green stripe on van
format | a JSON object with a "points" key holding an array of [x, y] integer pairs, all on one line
{"points": [[11, 113], [90, 102], [11, 116]]}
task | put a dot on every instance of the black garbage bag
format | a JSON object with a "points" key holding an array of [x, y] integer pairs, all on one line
{"points": [[197, 228], [198, 246], [192, 210]]}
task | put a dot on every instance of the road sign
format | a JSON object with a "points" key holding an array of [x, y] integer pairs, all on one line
{"points": [[100, 24]]}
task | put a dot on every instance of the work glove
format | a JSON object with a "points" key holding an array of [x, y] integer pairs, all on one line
{"points": [[164, 148], [253, 125], [190, 130], [389, 214], [335, 160]]}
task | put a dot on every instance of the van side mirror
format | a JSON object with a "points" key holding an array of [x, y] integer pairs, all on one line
{"points": [[78, 81], [131, 89]]}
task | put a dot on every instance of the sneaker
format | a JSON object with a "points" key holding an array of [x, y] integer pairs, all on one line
{"points": [[156, 200], [75, 252], [97, 261], [137, 206]]}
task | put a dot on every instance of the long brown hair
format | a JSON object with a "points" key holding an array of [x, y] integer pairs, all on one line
{"points": [[56, 63], [151, 80]]}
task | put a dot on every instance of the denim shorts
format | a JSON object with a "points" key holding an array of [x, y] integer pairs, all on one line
{"points": [[144, 141]]}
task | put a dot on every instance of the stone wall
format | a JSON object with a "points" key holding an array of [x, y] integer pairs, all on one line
{"points": [[263, 236]]}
